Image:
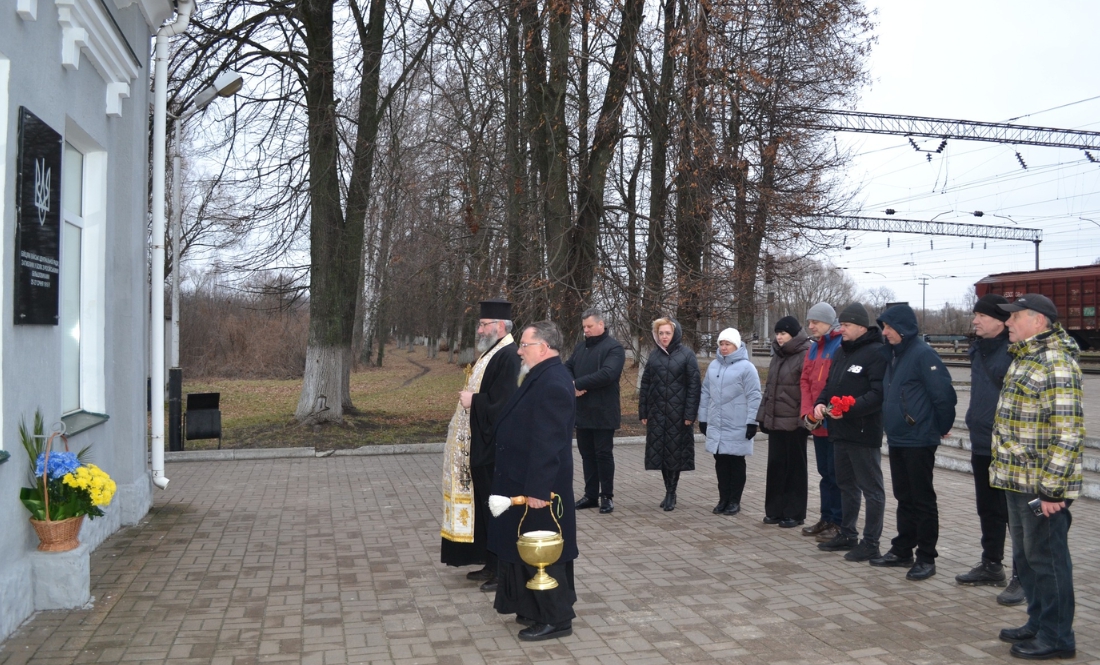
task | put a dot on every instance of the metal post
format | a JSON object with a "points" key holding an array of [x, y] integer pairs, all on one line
{"points": [[923, 306], [1037, 254], [175, 411], [177, 222]]}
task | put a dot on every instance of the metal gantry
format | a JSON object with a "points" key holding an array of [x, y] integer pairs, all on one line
{"points": [[955, 229], [942, 128]]}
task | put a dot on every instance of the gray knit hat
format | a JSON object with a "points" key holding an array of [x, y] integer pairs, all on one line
{"points": [[855, 313], [822, 312]]}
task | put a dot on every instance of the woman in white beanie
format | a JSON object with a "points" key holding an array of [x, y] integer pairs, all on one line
{"points": [[727, 416]]}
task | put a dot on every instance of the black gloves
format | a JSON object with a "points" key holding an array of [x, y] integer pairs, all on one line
{"points": [[703, 428], [750, 431]]}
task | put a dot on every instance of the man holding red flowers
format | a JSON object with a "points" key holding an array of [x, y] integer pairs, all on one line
{"points": [[856, 434]]}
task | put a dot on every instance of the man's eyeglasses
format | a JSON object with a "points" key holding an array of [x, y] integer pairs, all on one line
{"points": [[486, 324], [524, 345]]}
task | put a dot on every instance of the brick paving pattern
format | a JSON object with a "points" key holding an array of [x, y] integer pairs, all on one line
{"points": [[335, 560]]}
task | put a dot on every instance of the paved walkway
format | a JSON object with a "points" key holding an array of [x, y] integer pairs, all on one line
{"points": [[334, 560]]}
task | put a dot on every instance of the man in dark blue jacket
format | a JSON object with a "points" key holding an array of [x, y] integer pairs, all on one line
{"points": [[596, 365], [989, 360], [918, 409], [534, 459]]}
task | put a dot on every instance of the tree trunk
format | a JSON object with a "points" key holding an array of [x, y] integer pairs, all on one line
{"points": [[593, 176], [653, 288], [694, 201], [335, 243]]}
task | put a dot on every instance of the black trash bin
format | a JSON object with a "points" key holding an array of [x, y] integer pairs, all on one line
{"points": [[203, 419]]}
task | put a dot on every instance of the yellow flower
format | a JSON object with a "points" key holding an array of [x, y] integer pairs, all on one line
{"points": [[93, 480]]}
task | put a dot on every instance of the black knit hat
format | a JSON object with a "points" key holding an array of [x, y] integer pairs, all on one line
{"points": [[789, 325], [855, 313], [987, 305]]}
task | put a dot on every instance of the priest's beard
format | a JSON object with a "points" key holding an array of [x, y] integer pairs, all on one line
{"points": [[486, 341]]}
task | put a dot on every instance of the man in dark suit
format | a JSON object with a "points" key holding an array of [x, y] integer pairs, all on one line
{"points": [[596, 365], [468, 472], [534, 443]]}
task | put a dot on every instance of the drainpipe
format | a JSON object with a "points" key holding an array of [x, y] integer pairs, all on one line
{"points": [[156, 327]]}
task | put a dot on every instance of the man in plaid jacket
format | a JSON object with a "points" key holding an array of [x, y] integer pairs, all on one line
{"points": [[1037, 438]]}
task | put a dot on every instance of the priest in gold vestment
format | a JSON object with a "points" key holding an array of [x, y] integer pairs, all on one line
{"points": [[469, 452]]}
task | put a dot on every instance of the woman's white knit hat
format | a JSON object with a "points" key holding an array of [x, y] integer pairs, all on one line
{"points": [[730, 335]]}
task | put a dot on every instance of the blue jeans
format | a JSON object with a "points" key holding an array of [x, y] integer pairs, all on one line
{"points": [[1040, 552], [830, 493]]}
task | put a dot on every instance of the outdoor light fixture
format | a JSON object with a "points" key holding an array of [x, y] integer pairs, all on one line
{"points": [[227, 84]]}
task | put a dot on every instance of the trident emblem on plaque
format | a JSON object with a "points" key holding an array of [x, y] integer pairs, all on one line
{"points": [[41, 190]]}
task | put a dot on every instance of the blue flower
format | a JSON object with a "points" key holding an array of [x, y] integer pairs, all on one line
{"points": [[60, 464]]}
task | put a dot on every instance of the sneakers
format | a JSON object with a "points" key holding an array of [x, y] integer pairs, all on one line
{"points": [[986, 573], [839, 543], [1013, 595], [828, 533], [864, 551]]}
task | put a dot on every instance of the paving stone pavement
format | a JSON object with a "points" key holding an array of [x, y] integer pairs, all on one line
{"points": [[335, 560]]}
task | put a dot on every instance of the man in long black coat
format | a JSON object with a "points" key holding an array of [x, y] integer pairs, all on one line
{"points": [[534, 442], [495, 379], [596, 365]]}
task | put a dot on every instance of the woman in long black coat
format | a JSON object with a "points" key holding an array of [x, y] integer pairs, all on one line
{"points": [[668, 404]]}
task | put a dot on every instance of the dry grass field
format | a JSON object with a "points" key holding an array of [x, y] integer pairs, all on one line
{"points": [[408, 400]]}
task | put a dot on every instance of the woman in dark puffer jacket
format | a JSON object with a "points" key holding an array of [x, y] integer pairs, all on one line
{"points": [[785, 493], [668, 404]]}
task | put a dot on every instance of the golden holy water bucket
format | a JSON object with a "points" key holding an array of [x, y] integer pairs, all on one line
{"points": [[540, 549]]}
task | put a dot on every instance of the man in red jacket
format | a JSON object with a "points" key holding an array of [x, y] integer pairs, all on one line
{"points": [[822, 326]]}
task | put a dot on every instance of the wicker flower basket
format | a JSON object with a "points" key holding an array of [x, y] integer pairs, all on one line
{"points": [[58, 536]]}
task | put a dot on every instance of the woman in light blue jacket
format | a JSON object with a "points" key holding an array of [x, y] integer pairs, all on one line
{"points": [[727, 417]]}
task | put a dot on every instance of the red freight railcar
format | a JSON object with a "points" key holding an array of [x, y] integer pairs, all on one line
{"points": [[1074, 291]]}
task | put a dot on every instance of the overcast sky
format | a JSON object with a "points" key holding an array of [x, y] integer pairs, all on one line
{"points": [[988, 61]]}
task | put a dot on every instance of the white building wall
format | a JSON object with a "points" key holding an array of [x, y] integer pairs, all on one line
{"points": [[66, 62]]}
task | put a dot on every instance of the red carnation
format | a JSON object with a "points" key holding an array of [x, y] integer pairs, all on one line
{"points": [[839, 405]]}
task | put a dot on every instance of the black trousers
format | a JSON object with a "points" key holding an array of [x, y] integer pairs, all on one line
{"points": [[483, 484], [552, 606], [597, 461], [992, 510], [730, 470], [785, 492], [918, 515]]}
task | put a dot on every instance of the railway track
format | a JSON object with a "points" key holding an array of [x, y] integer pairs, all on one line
{"points": [[1090, 360], [1088, 365]]}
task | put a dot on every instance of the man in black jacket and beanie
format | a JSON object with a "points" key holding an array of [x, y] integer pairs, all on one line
{"points": [[989, 360], [856, 435], [596, 365], [918, 409]]}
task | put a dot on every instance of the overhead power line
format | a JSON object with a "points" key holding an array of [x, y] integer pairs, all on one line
{"points": [[941, 128]]}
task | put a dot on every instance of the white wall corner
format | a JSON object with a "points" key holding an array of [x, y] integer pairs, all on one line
{"points": [[27, 9], [155, 12], [116, 91]]}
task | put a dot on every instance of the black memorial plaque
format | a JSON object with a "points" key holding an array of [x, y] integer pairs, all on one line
{"points": [[38, 222]]}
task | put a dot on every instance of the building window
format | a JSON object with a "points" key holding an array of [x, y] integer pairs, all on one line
{"points": [[72, 200], [82, 280]]}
